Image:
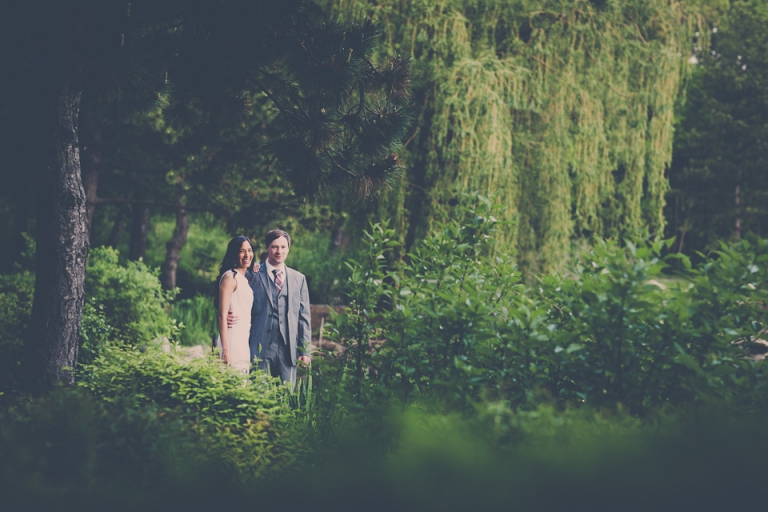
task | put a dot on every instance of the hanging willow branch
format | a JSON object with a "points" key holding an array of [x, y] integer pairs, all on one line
{"points": [[563, 108]]}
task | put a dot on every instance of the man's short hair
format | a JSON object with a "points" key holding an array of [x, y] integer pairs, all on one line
{"points": [[274, 235]]}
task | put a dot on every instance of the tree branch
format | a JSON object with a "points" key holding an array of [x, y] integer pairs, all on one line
{"points": [[271, 97], [333, 160]]}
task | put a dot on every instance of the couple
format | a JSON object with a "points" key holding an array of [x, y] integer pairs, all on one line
{"points": [[263, 310]]}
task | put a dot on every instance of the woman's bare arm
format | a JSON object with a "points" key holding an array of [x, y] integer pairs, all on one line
{"points": [[227, 287]]}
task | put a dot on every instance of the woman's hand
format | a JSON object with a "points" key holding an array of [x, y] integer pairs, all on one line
{"points": [[227, 286]]}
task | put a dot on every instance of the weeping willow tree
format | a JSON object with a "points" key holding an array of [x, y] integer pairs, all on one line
{"points": [[562, 110]]}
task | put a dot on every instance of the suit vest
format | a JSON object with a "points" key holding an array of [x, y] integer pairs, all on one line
{"points": [[279, 312]]}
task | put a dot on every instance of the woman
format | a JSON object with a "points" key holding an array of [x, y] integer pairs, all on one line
{"points": [[235, 295]]}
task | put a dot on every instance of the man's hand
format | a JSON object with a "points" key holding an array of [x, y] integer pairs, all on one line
{"points": [[303, 360], [231, 319]]}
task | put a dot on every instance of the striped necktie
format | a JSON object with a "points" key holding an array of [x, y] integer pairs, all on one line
{"points": [[278, 279]]}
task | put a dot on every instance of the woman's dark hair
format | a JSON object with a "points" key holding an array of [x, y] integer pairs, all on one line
{"points": [[232, 256]]}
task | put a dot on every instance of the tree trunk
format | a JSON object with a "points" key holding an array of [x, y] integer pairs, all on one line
{"points": [[62, 249], [91, 162], [337, 238], [137, 245], [173, 250]]}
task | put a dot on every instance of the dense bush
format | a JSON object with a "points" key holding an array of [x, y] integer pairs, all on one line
{"points": [[130, 296], [643, 344], [456, 325], [324, 266], [124, 303], [69, 451], [251, 422], [577, 459]]}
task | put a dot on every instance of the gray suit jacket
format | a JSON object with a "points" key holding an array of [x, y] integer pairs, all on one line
{"points": [[299, 329]]}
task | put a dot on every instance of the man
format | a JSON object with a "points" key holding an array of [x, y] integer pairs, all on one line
{"points": [[280, 318]]}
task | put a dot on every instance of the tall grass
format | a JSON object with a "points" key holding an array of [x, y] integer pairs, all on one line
{"points": [[198, 317]]}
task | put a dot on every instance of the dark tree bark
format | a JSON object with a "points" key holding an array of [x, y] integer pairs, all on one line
{"points": [[337, 237], [62, 249], [137, 245], [91, 161], [173, 250]]}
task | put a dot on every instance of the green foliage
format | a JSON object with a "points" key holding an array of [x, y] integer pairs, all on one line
{"points": [[458, 385], [455, 325], [199, 260], [324, 267], [357, 327], [629, 341], [130, 296], [554, 460], [68, 440], [612, 338], [196, 318], [71, 451], [248, 420], [449, 295], [728, 301], [16, 291], [96, 331], [565, 107]]}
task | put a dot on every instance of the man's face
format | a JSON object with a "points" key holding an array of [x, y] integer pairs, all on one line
{"points": [[277, 251]]}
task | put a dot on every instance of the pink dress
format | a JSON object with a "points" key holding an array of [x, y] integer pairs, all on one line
{"points": [[240, 306]]}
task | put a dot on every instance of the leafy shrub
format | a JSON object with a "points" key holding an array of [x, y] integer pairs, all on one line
{"points": [[252, 424], [644, 346], [96, 331], [356, 328], [130, 296], [70, 451], [16, 292], [438, 334], [455, 324], [727, 317], [577, 459], [615, 330], [197, 319]]}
